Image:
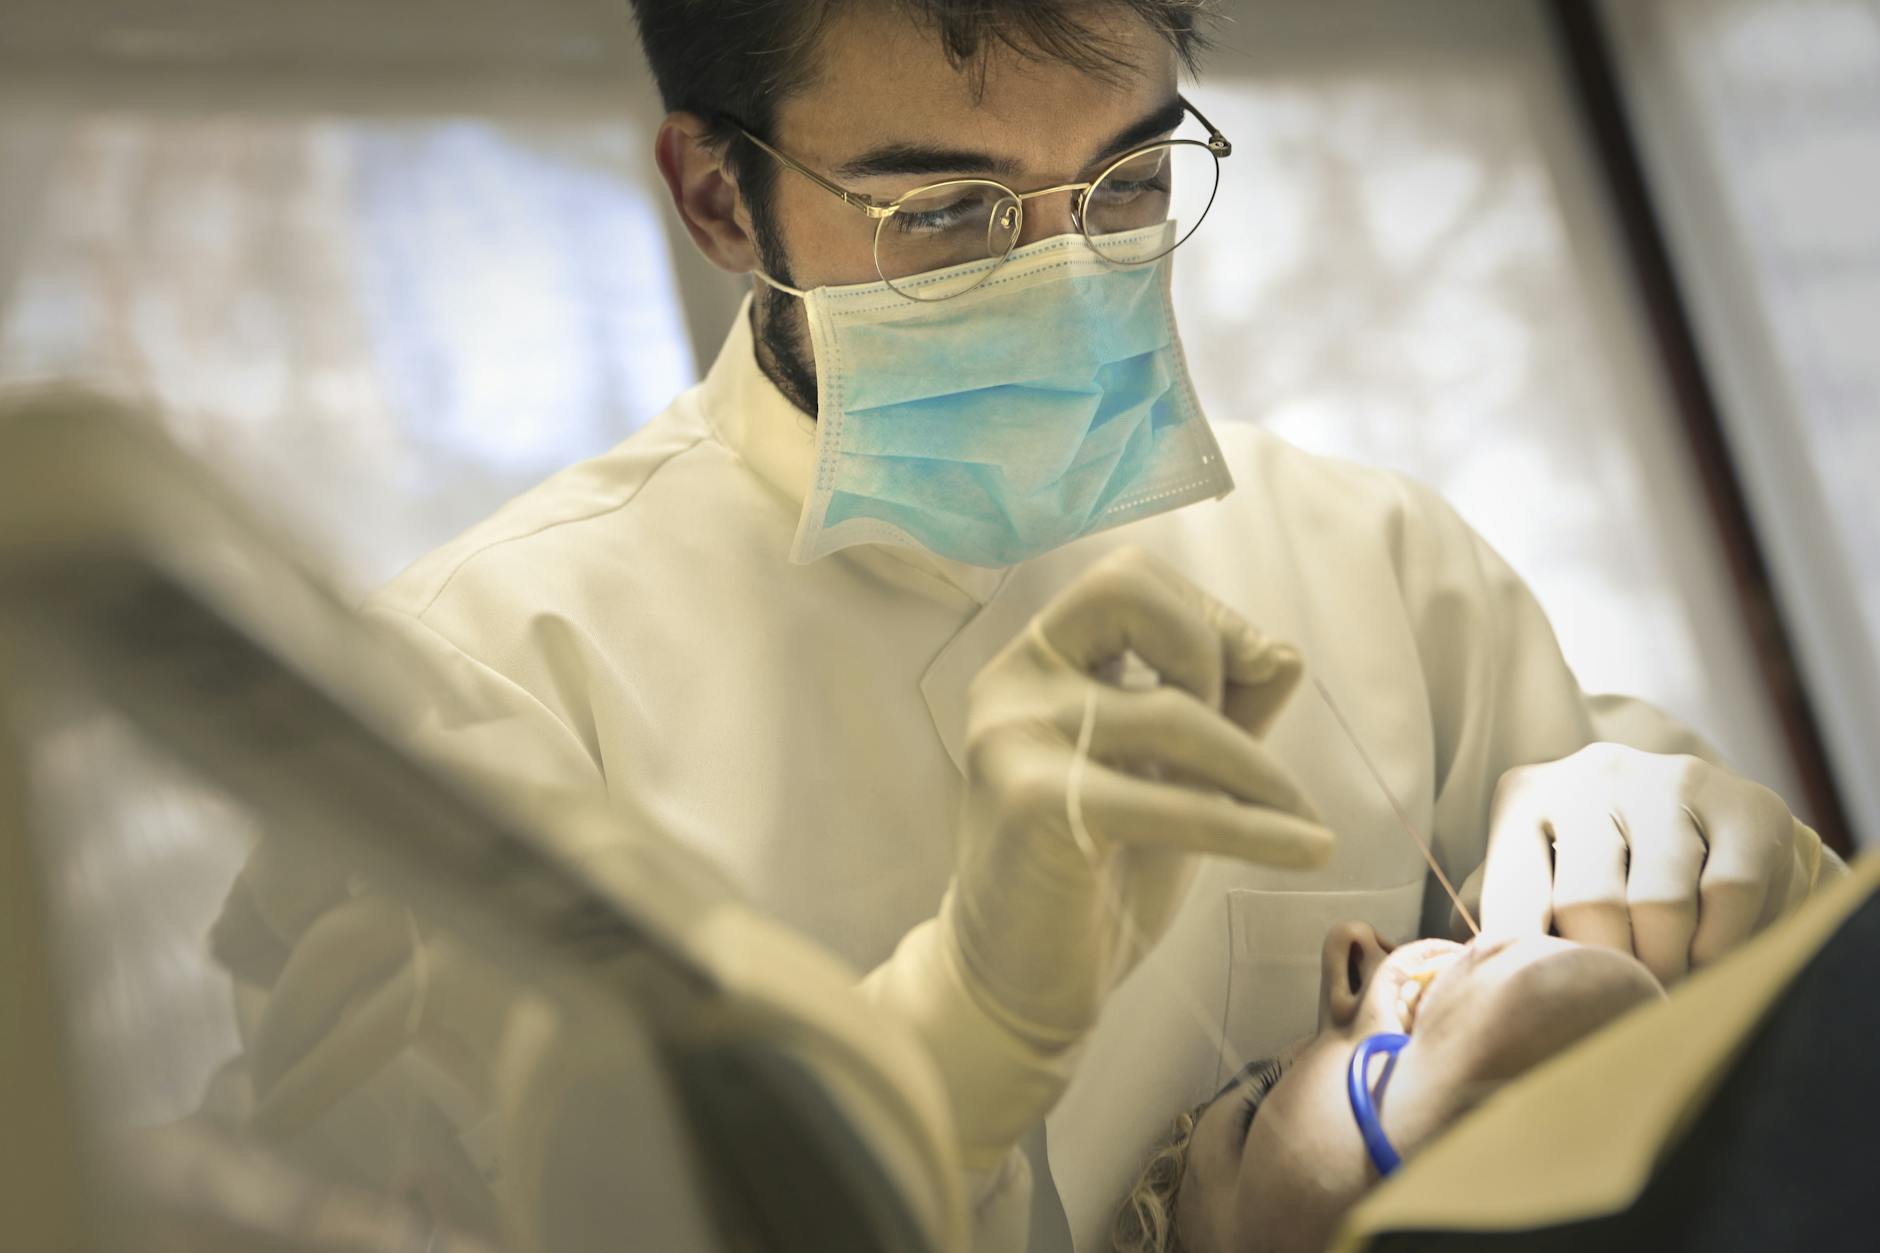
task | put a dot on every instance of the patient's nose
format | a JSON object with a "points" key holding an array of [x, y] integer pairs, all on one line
{"points": [[1352, 954]]}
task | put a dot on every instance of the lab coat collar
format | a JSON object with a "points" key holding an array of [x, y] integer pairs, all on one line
{"points": [[1026, 591], [777, 441], [948, 679]]}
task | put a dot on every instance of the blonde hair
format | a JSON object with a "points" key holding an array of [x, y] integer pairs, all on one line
{"points": [[1146, 1221]]}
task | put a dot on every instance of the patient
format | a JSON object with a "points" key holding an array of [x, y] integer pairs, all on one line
{"points": [[1273, 1162]]}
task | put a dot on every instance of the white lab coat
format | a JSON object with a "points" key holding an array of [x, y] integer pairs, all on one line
{"points": [[803, 724]]}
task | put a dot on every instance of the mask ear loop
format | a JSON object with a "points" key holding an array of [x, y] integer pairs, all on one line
{"points": [[1364, 1099], [1409, 827], [782, 287]]}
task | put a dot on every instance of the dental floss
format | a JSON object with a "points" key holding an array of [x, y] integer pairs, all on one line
{"points": [[1410, 827], [1132, 935], [1381, 1152]]}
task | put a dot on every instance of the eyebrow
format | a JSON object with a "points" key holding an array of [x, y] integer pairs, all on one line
{"points": [[1241, 1079], [1244, 1076], [906, 158], [1199, 1165]]}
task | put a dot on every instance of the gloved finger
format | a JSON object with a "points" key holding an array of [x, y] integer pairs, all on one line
{"points": [[1262, 674], [1590, 857], [1518, 875], [1734, 889], [1125, 603], [1662, 885], [293, 886], [353, 1050], [1122, 809], [343, 955], [1169, 729]]}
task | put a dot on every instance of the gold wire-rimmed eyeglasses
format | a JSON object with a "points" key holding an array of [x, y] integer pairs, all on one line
{"points": [[965, 220]]}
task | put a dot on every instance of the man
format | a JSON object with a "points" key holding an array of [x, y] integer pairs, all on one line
{"points": [[758, 618]]}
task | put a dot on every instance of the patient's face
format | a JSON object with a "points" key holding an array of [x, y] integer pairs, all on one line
{"points": [[1493, 1011]]}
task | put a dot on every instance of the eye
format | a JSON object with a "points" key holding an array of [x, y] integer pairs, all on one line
{"points": [[1354, 968], [929, 215], [1257, 1088], [1148, 174], [1124, 190]]}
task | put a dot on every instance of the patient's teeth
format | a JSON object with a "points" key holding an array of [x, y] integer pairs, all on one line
{"points": [[1407, 997]]}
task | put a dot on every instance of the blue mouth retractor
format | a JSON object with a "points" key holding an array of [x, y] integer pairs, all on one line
{"points": [[1364, 1098]]}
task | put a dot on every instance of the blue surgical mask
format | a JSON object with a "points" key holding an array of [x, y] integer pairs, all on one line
{"points": [[1050, 402]]}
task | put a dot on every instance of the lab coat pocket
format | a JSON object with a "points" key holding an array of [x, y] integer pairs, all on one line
{"points": [[1274, 938]]}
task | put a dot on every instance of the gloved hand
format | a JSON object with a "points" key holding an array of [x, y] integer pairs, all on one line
{"points": [[1036, 928], [362, 985], [1666, 857], [1045, 927]]}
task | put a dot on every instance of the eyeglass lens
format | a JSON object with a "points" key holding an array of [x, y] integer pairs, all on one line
{"points": [[957, 223]]}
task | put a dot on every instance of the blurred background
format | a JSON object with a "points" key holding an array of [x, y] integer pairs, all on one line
{"points": [[1608, 275]]}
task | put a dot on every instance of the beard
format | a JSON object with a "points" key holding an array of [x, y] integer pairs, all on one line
{"points": [[784, 353], [780, 326]]}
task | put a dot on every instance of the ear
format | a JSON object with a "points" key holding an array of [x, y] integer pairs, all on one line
{"points": [[705, 194]]}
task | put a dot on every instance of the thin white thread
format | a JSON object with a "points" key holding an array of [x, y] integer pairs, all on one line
{"points": [[1211, 1026], [420, 978], [1408, 826], [1112, 884]]}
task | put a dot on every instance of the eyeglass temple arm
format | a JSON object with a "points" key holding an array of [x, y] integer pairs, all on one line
{"points": [[1216, 141], [867, 204]]}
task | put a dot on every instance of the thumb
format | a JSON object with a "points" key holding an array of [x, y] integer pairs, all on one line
{"points": [[1261, 675]]}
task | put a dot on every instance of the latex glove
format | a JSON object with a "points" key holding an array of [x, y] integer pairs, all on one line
{"points": [[1669, 858], [1043, 931], [1034, 932], [362, 985]]}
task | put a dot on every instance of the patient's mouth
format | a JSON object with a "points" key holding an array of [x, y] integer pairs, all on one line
{"points": [[1408, 997], [1416, 984]]}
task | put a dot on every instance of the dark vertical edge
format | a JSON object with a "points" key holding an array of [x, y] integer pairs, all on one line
{"points": [[1587, 55]]}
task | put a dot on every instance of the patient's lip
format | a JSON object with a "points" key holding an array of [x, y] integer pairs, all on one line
{"points": [[1420, 965], [1486, 949], [1456, 961]]}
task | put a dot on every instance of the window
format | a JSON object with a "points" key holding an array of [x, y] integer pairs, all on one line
{"points": [[1412, 267], [1760, 120], [381, 328]]}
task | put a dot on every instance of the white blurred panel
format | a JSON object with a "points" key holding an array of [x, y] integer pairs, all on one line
{"points": [[144, 858], [1409, 265], [1762, 122], [382, 328]]}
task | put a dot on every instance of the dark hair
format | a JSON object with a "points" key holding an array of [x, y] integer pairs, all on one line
{"points": [[735, 62]]}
